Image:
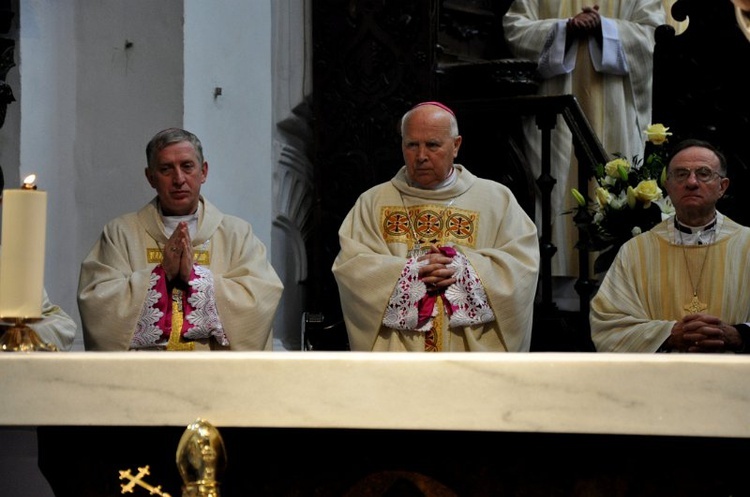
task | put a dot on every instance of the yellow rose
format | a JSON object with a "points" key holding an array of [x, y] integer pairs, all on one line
{"points": [[657, 133], [647, 191], [603, 197], [617, 168]]}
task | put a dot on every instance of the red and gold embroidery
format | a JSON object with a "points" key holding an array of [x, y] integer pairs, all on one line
{"points": [[200, 257], [432, 224]]}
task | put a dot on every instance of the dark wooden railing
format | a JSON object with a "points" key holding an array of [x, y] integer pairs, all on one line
{"points": [[589, 152]]}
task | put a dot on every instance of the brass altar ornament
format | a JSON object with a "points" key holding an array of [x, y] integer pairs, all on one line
{"points": [[19, 337], [137, 479], [201, 459]]}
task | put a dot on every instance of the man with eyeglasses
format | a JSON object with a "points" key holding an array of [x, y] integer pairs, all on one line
{"points": [[683, 286]]}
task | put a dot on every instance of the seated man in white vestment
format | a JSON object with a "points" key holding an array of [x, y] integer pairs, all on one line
{"points": [[178, 274], [684, 285]]}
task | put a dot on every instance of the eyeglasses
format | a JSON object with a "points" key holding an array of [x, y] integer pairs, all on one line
{"points": [[702, 174]]}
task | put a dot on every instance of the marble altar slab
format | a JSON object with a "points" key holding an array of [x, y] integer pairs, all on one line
{"points": [[631, 394]]}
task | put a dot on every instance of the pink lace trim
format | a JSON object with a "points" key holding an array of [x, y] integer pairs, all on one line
{"points": [[410, 307], [199, 308]]}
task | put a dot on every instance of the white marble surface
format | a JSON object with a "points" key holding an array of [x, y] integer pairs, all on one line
{"points": [[660, 394]]}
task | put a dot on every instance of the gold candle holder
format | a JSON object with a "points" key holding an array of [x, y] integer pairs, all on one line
{"points": [[19, 337]]}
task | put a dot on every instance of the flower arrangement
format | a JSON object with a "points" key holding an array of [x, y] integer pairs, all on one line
{"points": [[628, 200]]}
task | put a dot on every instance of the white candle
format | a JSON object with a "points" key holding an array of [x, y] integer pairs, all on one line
{"points": [[22, 252]]}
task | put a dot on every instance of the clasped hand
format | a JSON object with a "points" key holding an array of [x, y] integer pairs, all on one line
{"points": [[703, 333], [178, 254], [585, 23], [435, 273]]}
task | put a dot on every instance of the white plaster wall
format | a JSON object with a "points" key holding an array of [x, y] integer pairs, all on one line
{"points": [[129, 59], [236, 126], [46, 59]]}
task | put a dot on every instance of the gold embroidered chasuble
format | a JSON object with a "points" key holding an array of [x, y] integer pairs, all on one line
{"points": [[117, 274], [481, 219]]}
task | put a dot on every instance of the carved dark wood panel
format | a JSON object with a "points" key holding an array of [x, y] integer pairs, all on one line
{"points": [[372, 60], [700, 89], [7, 57]]}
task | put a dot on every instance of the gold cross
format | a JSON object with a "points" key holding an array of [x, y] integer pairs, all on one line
{"points": [[695, 305], [138, 480]]}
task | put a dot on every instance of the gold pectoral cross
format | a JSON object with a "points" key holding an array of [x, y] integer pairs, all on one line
{"points": [[695, 305]]}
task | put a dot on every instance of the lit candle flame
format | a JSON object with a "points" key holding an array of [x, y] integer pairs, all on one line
{"points": [[28, 182]]}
